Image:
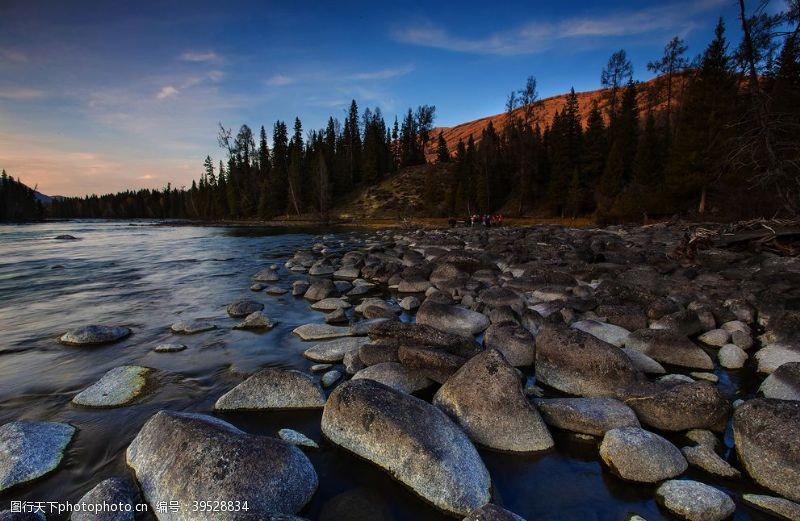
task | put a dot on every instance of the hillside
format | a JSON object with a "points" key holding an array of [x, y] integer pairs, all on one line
{"points": [[648, 96]]}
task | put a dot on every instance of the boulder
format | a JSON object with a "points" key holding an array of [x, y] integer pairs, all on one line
{"points": [[255, 320], [333, 351], [577, 363], [451, 319], [775, 506], [414, 285], [491, 512], [694, 501], [715, 338], [516, 343], [191, 327], [396, 376], [94, 335], [395, 333], [118, 492], [630, 317], [409, 303], [330, 304], [643, 363], [29, 450], [678, 407], [783, 383], [704, 457], [273, 388], [414, 441], [119, 386], [434, 363], [321, 289], [731, 356], [773, 356], [684, 322], [496, 296], [321, 331], [189, 457], [668, 347], [765, 433], [635, 454], [244, 307], [372, 354], [266, 275], [486, 399], [610, 333], [592, 416]]}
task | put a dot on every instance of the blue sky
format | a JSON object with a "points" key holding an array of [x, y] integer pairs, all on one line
{"points": [[105, 95]]}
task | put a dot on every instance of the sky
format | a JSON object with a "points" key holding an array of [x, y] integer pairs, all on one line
{"points": [[103, 96]]}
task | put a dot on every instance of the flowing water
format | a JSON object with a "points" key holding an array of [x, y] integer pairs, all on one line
{"points": [[147, 277]]}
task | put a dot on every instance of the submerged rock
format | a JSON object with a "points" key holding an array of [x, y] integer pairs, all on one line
{"points": [[334, 350], [635, 454], [113, 491], [191, 327], [765, 434], [593, 416], [116, 388], [451, 319], [189, 457], [94, 335], [694, 501], [414, 441], [29, 450], [273, 389], [485, 397], [169, 348], [244, 307]]}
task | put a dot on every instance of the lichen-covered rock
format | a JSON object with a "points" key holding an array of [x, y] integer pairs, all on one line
{"points": [[638, 455], [273, 388], [765, 433], [486, 399], [116, 388], [189, 457], [414, 441], [29, 450], [94, 335], [592, 416], [694, 501]]}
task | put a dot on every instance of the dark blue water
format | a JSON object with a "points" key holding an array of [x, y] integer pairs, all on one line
{"points": [[147, 277]]}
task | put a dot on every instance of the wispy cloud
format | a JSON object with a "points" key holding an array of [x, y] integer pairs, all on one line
{"points": [[383, 74], [21, 93], [12, 55], [279, 80], [167, 91], [195, 56], [536, 37]]}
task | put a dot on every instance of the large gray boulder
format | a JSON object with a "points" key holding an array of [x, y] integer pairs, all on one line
{"points": [[678, 407], [396, 376], [485, 397], [29, 450], [577, 363], [434, 363], [273, 388], [334, 350], [614, 335], [684, 322], [765, 434], [116, 388], [94, 335], [638, 455], [669, 347], [776, 506], [113, 491], [395, 333], [694, 501], [491, 512], [321, 289], [517, 344], [496, 296], [193, 457], [414, 441], [451, 319], [783, 383], [593, 416], [242, 308]]}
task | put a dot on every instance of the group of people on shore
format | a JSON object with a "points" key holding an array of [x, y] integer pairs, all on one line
{"points": [[487, 220]]}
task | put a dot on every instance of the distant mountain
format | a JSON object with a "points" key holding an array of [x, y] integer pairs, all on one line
{"points": [[44, 199]]}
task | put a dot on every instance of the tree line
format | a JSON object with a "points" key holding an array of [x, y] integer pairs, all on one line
{"points": [[18, 202]]}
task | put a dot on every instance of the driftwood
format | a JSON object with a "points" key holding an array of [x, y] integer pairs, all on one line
{"points": [[781, 237]]}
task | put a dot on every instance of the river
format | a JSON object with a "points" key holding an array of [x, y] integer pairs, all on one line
{"points": [[147, 277]]}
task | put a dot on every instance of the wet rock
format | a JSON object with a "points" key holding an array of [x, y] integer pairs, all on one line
{"points": [[643, 363], [697, 405], [765, 434], [609, 333], [29, 450], [775, 506], [169, 348], [330, 303], [116, 388], [593, 416], [515, 342], [191, 327], [396, 376], [705, 458], [266, 275], [783, 383], [299, 287], [409, 303], [669, 348], [255, 320], [276, 290], [486, 399], [347, 273], [330, 378], [271, 389], [66, 237], [337, 316], [297, 438], [321, 331], [411, 439], [244, 307], [694, 501], [715, 337], [396, 333], [685, 322], [638, 455], [732, 356], [451, 319], [112, 491], [193, 457], [321, 289], [773, 356], [94, 335], [333, 351], [256, 287], [577, 363], [491, 512], [372, 354]]}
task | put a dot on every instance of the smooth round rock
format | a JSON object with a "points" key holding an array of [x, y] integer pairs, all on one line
{"points": [[191, 327], [705, 458], [638, 455], [333, 351], [776, 506], [330, 378], [409, 303], [297, 438], [189, 457], [169, 348], [321, 331], [116, 388], [492, 513], [29, 450], [94, 335], [614, 335], [271, 389], [593, 416], [715, 337], [732, 356], [396, 376], [266, 275], [451, 319], [669, 347], [783, 383], [414, 441], [694, 501], [678, 407], [244, 307]]}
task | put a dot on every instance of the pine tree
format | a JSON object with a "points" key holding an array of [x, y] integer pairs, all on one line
{"points": [[442, 154], [279, 172], [296, 169]]}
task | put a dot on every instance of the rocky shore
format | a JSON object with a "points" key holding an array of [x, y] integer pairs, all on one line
{"points": [[431, 344]]}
